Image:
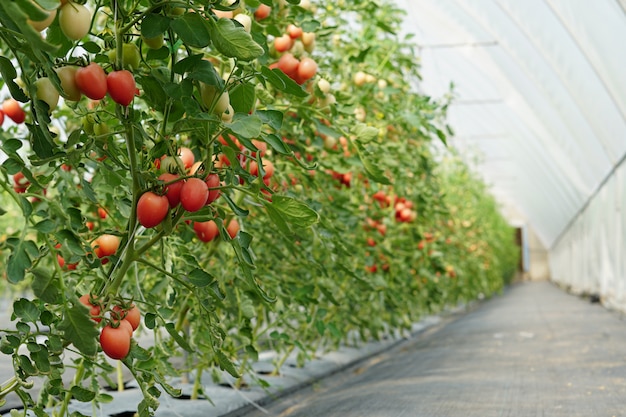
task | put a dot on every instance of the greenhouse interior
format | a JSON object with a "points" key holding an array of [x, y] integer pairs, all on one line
{"points": [[305, 208]]}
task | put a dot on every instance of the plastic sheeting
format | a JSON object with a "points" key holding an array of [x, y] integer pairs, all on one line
{"points": [[539, 111], [540, 97]]}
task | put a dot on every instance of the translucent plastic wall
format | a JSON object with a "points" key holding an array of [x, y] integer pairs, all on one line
{"points": [[540, 111]]}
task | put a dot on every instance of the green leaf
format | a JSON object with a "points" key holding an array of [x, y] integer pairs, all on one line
{"points": [[364, 133], [41, 140], [200, 278], [282, 82], [45, 226], [26, 310], [233, 41], [277, 144], [88, 191], [192, 30], [19, 261], [11, 146], [247, 126], [42, 360], [18, 18], [373, 172], [82, 394], [8, 73], [27, 365], [45, 287], [294, 211], [242, 97], [226, 364], [174, 392], [234, 207], [79, 329], [272, 118], [154, 25], [205, 72], [171, 329]]}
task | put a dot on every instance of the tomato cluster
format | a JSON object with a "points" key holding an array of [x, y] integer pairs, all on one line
{"points": [[298, 42], [94, 83], [116, 335]]}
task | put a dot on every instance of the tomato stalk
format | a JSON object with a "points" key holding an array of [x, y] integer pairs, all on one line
{"points": [[80, 372], [9, 386], [120, 377], [195, 391], [282, 360]]}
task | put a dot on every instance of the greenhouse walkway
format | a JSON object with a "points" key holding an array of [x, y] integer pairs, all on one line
{"points": [[533, 351]]}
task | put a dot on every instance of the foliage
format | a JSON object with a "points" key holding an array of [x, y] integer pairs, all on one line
{"points": [[332, 218]]}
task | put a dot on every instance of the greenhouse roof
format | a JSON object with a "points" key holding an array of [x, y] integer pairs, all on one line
{"points": [[540, 96]]}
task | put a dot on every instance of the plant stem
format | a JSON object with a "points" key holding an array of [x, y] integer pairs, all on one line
{"points": [[195, 391], [80, 371], [282, 361], [120, 377]]}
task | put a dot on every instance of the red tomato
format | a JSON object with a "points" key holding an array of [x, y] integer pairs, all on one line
{"points": [[283, 43], [307, 69], [92, 81], [94, 308], [268, 168], [212, 181], [187, 156], [1, 117], [102, 213], [261, 146], [125, 324], [194, 194], [262, 12], [115, 342], [90, 225], [20, 183], [289, 65], [206, 231], [61, 261], [132, 315], [233, 228], [105, 245], [172, 191], [13, 109], [152, 209], [121, 86], [294, 31]]}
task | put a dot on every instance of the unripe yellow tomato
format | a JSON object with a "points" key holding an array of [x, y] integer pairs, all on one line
{"points": [[46, 92], [75, 20], [67, 76]]}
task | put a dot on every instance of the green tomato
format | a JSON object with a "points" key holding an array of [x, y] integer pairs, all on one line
{"points": [[88, 124], [46, 92], [131, 56], [153, 43], [211, 100], [100, 129]]}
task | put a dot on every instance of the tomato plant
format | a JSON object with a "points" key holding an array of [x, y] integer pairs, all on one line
{"points": [[295, 144]]}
